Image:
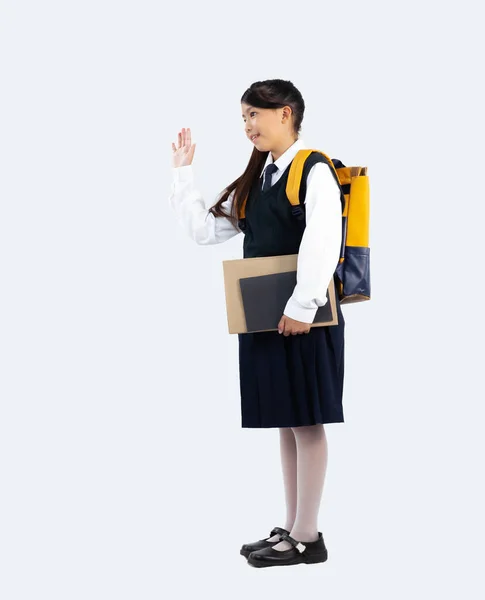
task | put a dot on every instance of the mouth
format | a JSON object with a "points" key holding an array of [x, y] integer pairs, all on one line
{"points": [[254, 137]]}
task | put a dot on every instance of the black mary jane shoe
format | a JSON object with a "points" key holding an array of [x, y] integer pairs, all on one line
{"points": [[246, 549], [301, 552]]}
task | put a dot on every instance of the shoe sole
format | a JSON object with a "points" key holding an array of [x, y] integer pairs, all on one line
{"points": [[307, 560]]}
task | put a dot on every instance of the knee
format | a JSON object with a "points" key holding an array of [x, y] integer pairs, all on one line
{"points": [[310, 432]]}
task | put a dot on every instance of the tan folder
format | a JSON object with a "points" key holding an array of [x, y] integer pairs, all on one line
{"points": [[235, 270]]}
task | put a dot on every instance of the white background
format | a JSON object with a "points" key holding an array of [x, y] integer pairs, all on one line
{"points": [[125, 473]]}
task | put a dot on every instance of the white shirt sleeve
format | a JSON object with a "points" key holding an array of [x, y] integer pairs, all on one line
{"points": [[319, 251], [187, 202]]}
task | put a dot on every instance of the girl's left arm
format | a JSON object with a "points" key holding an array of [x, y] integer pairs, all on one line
{"points": [[319, 251]]}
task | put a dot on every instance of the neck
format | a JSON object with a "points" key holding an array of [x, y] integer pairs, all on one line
{"points": [[282, 148]]}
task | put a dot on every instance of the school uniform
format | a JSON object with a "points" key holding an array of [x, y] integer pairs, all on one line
{"points": [[295, 380]]}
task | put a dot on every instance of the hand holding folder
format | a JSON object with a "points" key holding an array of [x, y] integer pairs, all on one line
{"points": [[257, 290]]}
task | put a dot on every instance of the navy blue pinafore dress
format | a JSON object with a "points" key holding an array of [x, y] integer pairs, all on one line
{"points": [[295, 380]]}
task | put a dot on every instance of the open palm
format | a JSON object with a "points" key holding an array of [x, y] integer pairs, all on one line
{"points": [[183, 154]]}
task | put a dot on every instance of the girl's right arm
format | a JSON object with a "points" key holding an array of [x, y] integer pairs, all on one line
{"points": [[187, 202]]}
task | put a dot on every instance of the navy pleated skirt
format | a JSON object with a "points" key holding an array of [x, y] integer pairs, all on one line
{"points": [[295, 380]]}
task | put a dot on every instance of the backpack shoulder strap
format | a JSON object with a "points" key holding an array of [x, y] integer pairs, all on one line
{"points": [[299, 169]]}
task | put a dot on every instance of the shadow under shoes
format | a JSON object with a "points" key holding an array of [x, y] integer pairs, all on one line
{"points": [[246, 549], [301, 552]]}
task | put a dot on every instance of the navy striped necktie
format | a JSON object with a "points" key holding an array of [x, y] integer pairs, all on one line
{"points": [[270, 169]]}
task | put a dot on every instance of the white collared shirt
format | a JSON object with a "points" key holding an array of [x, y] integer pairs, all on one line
{"points": [[319, 250]]}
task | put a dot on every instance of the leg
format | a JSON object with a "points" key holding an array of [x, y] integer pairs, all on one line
{"points": [[312, 455], [288, 466]]}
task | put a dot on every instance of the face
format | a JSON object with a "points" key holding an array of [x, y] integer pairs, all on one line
{"points": [[265, 123]]}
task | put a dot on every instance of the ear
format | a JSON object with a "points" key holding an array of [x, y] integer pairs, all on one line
{"points": [[286, 113]]}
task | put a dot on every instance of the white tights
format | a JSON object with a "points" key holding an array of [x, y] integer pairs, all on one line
{"points": [[304, 454]]}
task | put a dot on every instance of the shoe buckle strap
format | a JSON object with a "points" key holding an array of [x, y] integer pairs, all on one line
{"points": [[298, 545], [276, 531]]}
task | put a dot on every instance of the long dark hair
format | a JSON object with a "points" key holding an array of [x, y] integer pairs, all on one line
{"points": [[271, 93]]}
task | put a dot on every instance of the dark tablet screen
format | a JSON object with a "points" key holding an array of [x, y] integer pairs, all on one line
{"points": [[264, 299]]}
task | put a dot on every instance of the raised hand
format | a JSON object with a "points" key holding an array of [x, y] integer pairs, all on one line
{"points": [[184, 153]]}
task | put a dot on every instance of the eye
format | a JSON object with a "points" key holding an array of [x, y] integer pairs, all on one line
{"points": [[251, 113]]}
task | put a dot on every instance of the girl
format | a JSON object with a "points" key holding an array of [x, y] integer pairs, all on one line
{"points": [[291, 378]]}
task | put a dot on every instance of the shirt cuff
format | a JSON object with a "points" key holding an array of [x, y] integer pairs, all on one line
{"points": [[184, 173], [296, 311]]}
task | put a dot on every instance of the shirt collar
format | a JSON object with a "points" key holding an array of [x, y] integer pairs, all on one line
{"points": [[285, 159]]}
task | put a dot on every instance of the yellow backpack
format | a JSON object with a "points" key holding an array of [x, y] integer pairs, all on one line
{"points": [[353, 270]]}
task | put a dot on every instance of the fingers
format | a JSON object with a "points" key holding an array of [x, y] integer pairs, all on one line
{"points": [[281, 325], [186, 136], [184, 139], [181, 137], [289, 328]]}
